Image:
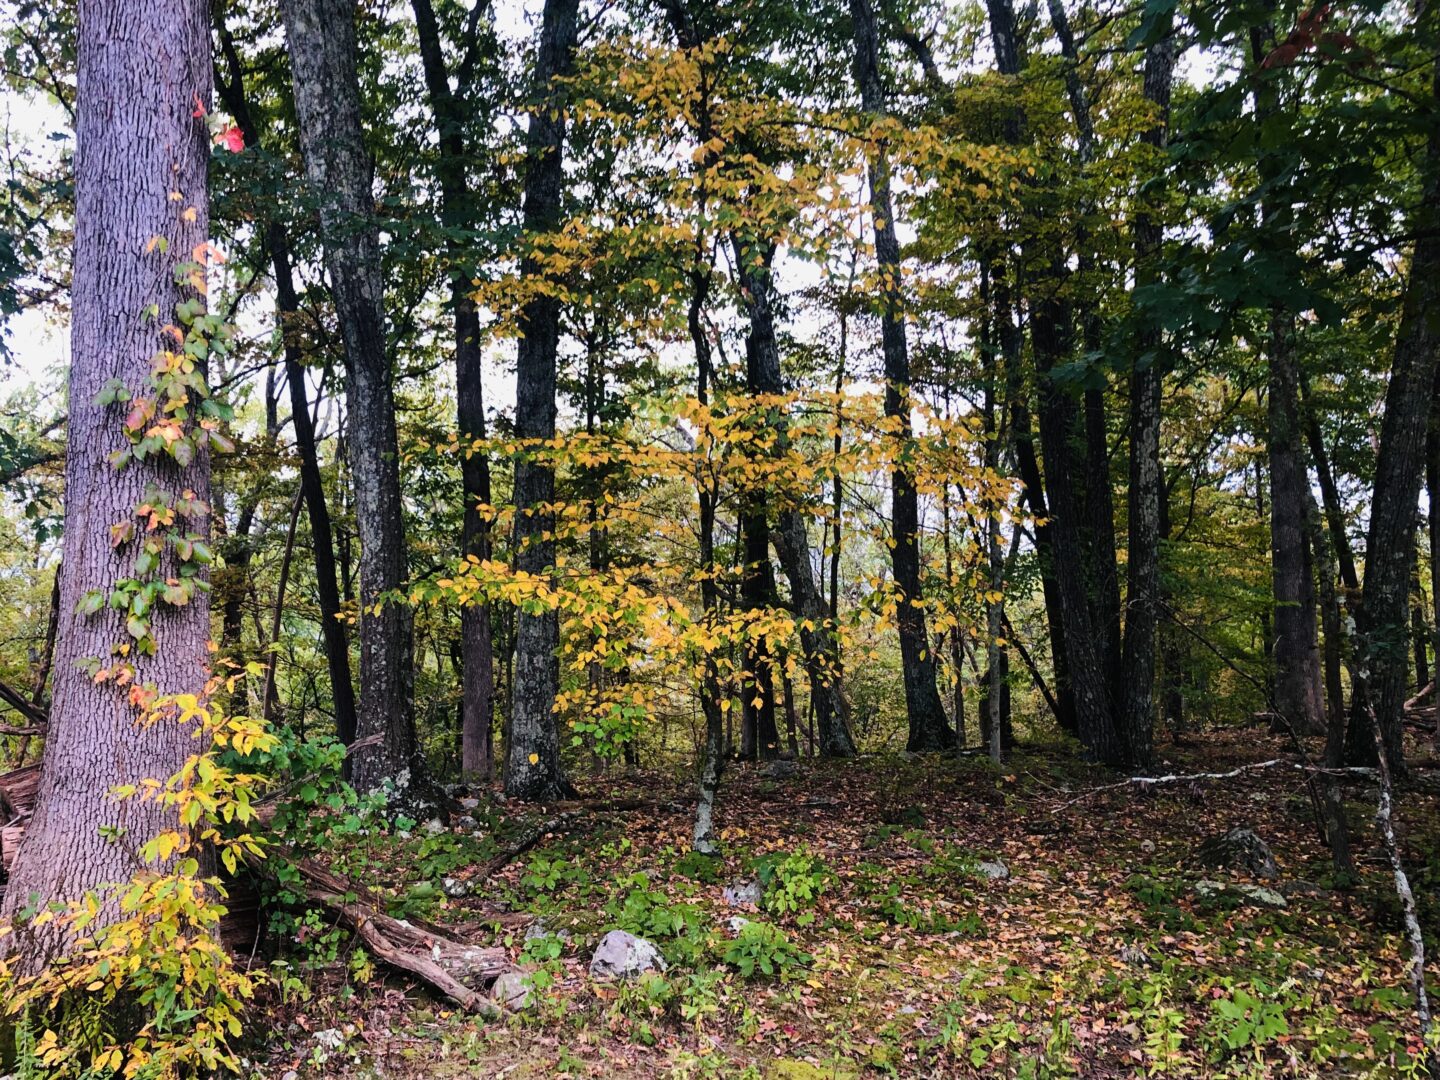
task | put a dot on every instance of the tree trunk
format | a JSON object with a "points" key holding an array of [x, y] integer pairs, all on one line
{"points": [[320, 35], [929, 728], [1086, 659], [477, 644], [532, 765], [334, 635], [1337, 826], [1297, 652], [1380, 622], [141, 70], [1137, 710], [1432, 488]]}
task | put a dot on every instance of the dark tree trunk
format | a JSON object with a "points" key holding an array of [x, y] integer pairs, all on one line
{"points": [[929, 728], [477, 645], [1297, 647], [1337, 826], [320, 35], [532, 763], [141, 69], [1298, 696], [790, 536], [1432, 487], [1380, 622], [1330, 496], [334, 635], [712, 762], [1136, 719], [1086, 661]]}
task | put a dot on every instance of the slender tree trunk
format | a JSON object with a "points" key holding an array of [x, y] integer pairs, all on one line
{"points": [[1432, 487], [532, 764], [790, 536], [1147, 488], [929, 728], [1297, 652], [1390, 543], [333, 632], [141, 69], [712, 762], [320, 35], [477, 644], [1332, 807], [1086, 661]]}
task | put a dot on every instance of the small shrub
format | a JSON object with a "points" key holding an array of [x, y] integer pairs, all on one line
{"points": [[764, 949], [793, 883]]}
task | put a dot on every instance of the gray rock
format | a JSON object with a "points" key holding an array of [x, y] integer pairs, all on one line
{"points": [[290, 1074], [743, 891], [329, 1038], [454, 888], [1258, 895], [1147, 847], [993, 869], [735, 924], [1239, 849], [1134, 956], [539, 929], [780, 769], [625, 956], [469, 803], [512, 990]]}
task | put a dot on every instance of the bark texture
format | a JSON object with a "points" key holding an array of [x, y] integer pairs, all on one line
{"points": [[141, 69], [447, 104], [1380, 622], [532, 765], [320, 35], [335, 637], [1136, 720], [929, 728]]}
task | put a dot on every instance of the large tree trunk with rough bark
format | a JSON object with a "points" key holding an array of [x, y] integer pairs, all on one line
{"points": [[1380, 622], [141, 70], [929, 728], [320, 35], [1136, 717], [334, 635], [532, 761]]}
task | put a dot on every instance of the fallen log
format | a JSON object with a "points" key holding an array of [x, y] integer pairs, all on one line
{"points": [[1424, 692], [17, 793], [455, 969]]}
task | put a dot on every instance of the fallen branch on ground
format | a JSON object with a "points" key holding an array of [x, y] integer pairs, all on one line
{"points": [[1183, 778], [1413, 933], [532, 835], [1425, 691]]}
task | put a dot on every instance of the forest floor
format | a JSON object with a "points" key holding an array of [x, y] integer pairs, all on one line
{"points": [[909, 953]]}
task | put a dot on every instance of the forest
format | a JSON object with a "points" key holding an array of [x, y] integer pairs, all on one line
{"points": [[719, 538]]}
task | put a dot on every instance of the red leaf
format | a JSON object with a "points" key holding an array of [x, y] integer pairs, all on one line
{"points": [[231, 139]]}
